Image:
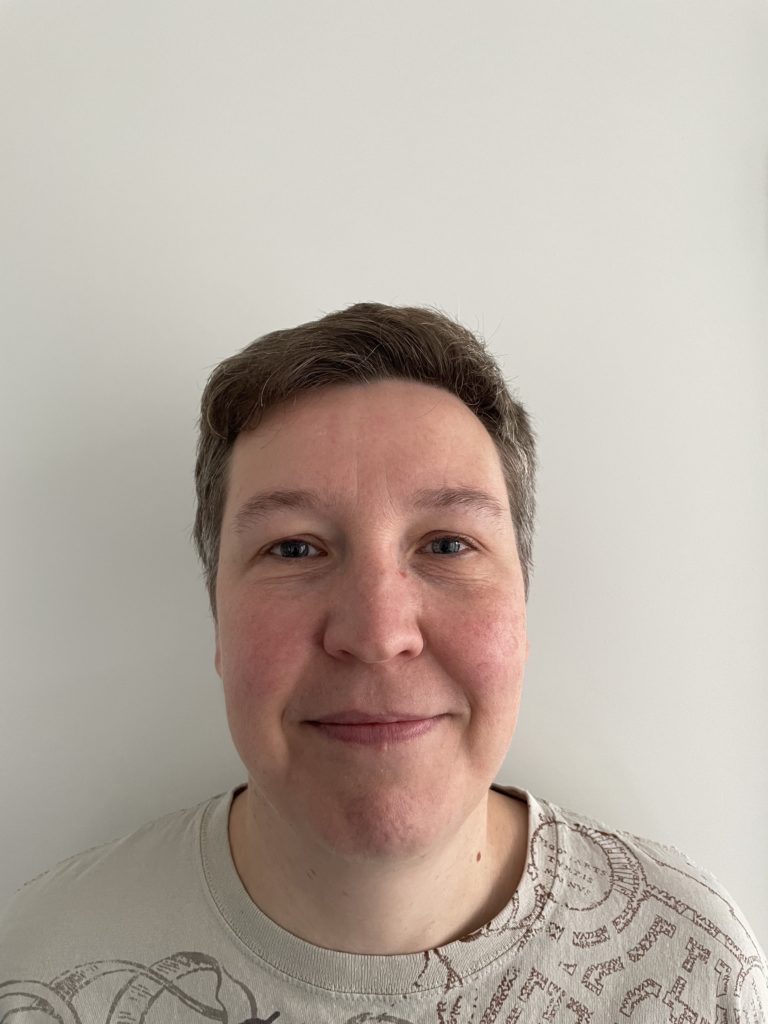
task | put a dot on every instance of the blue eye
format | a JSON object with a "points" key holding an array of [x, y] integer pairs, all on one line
{"points": [[442, 541]]}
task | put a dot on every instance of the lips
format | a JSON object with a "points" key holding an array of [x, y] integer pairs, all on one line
{"points": [[351, 717], [377, 730], [370, 717]]}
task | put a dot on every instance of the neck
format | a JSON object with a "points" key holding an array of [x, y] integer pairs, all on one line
{"points": [[373, 907]]}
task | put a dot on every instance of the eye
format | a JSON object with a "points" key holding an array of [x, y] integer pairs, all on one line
{"points": [[453, 541], [291, 548], [294, 548]]}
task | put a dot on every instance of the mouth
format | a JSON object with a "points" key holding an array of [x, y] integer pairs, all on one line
{"points": [[374, 729], [351, 717]]}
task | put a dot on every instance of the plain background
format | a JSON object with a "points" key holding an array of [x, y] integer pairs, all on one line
{"points": [[583, 182]]}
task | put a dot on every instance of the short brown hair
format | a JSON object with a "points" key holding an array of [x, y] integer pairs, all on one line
{"points": [[364, 343]]}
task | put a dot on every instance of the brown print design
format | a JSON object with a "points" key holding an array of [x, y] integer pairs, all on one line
{"points": [[588, 897], [134, 994]]}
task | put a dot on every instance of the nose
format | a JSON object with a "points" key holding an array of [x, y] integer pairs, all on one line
{"points": [[374, 613]]}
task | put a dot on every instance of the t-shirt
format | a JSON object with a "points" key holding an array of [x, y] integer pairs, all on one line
{"points": [[157, 928]]}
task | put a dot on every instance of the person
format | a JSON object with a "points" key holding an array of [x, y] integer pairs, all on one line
{"points": [[365, 515]]}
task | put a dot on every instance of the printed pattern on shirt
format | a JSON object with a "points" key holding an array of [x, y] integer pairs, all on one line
{"points": [[596, 934]]}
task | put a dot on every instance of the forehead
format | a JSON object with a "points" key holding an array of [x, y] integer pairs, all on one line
{"points": [[378, 403], [390, 433], [383, 413]]}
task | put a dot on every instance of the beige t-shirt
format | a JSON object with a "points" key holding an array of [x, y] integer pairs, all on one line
{"points": [[157, 928]]}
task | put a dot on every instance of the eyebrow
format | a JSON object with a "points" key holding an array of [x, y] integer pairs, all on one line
{"points": [[259, 506]]}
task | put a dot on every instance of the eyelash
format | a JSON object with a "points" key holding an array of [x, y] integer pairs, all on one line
{"points": [[299, 540]]}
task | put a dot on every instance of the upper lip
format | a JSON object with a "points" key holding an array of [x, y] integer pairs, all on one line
{"points": [[369, 717]]}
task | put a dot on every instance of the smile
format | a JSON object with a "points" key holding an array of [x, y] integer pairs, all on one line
{"points": [[376, 733]]}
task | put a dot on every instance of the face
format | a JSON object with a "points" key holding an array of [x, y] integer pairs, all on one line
{"points": [[397, 596]]}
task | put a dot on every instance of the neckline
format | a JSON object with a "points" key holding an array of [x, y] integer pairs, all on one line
{"points": [[442, 968]]}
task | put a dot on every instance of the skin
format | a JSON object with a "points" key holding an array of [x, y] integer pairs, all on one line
{"points": [[392, 847]]}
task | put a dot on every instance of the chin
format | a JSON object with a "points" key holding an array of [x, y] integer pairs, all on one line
{"points": [[382, 825]]}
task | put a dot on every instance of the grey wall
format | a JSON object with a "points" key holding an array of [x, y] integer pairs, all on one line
{"points": [[584, 182]]}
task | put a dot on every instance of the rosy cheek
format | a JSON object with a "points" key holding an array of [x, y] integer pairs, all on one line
{"points": [[496, 646], [260, 649], [496, 624]]}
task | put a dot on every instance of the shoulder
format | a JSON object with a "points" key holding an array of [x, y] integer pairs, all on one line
{"points": [[128, 850], [646, 895], [104, 883], [648, 869]]}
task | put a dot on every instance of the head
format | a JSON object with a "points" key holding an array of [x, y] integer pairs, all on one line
{"points": [[400, 588]]}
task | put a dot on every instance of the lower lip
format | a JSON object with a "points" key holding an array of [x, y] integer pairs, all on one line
{"points": [[377, 733]]}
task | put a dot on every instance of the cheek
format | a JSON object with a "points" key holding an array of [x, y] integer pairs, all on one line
{"points": [[492, 646], [261, 650]]}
